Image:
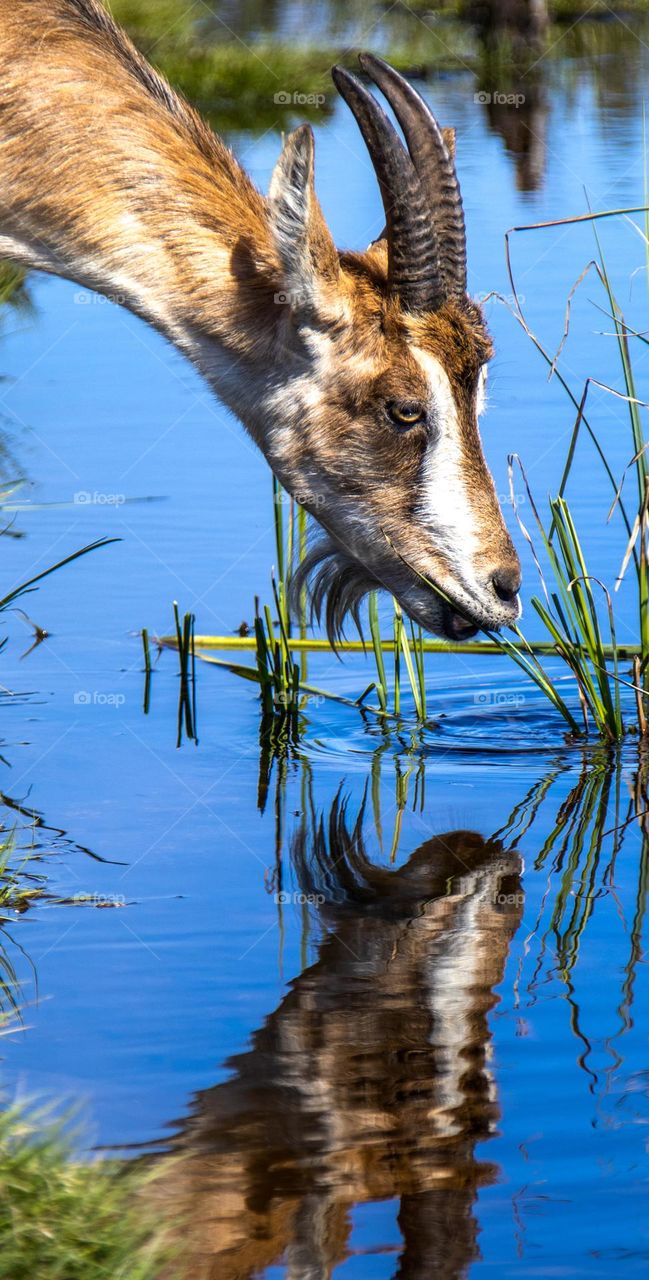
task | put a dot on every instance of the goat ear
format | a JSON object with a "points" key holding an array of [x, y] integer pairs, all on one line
{"points": [[303, 241]]}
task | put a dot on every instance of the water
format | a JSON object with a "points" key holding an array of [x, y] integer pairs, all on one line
{"points": [[431, 1063]]}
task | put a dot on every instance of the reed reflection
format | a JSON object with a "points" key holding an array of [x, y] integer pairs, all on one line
{"points": [[371, 1080]]}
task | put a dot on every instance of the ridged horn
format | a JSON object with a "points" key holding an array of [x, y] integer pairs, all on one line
{"points": [[419, 187], [433, 161], [414, 268]]}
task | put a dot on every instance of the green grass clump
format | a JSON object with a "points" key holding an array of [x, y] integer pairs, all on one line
{"points": [[64, 1220], [19, 886]]}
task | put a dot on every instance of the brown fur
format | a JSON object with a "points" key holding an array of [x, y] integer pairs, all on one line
{"points": [[109, 178]]}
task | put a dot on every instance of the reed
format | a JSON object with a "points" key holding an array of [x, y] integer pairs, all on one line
{"points": [[146, 647], [576, 607], [280, 667], [186, 674], [19, 885], [593, 826], [24, 588]]}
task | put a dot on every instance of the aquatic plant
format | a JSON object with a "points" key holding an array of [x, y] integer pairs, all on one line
{"points": [[281, 647], [576, 607], [12, 287], [589, 831], [583, 828], [19, 885]]}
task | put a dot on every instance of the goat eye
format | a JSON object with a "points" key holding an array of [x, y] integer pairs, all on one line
{"points": [[405, 413]]}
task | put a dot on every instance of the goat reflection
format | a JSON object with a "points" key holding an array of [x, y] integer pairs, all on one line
{"points": [[371, 1080]]}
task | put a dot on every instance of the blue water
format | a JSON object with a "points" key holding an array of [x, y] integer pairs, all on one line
{"points": [[136, 1010]]}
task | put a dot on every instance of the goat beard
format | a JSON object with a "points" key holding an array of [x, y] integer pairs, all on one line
{"points": [[335, 584]]}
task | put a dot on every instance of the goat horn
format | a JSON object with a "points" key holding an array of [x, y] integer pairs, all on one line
{"points": [[414, 263], [434, 164]]}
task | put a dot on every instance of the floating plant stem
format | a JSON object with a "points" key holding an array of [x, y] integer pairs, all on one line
{"points": [[147, 671]]}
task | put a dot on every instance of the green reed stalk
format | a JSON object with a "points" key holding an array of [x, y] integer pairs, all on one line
{"points": [[398, 630], [407, 657], [375, 633], [186, 647], [418, 650]]}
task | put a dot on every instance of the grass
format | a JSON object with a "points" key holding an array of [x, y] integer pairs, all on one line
{"points": [[61, 1219], [579, 854], [8, 601], [19, 886], [576, 608], [12, 287], [30, 584]]}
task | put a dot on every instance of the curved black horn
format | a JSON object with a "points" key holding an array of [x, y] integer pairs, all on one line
{"points": [[434, 165], [414, 262]]}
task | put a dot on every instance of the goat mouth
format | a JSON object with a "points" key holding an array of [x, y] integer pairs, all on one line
{"points": [[337, 582], [457, 626]]}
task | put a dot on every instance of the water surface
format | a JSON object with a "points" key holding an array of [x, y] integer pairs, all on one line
{"points": [[394, 1022]]}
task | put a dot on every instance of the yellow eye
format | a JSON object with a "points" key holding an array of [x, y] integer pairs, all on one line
{"points": [[406, 413]]}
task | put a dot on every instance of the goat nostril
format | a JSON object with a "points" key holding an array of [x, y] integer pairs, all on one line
{"points": [[507, 583]]}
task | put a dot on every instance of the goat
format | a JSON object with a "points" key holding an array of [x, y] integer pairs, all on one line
{"points": [[360, 375]]}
